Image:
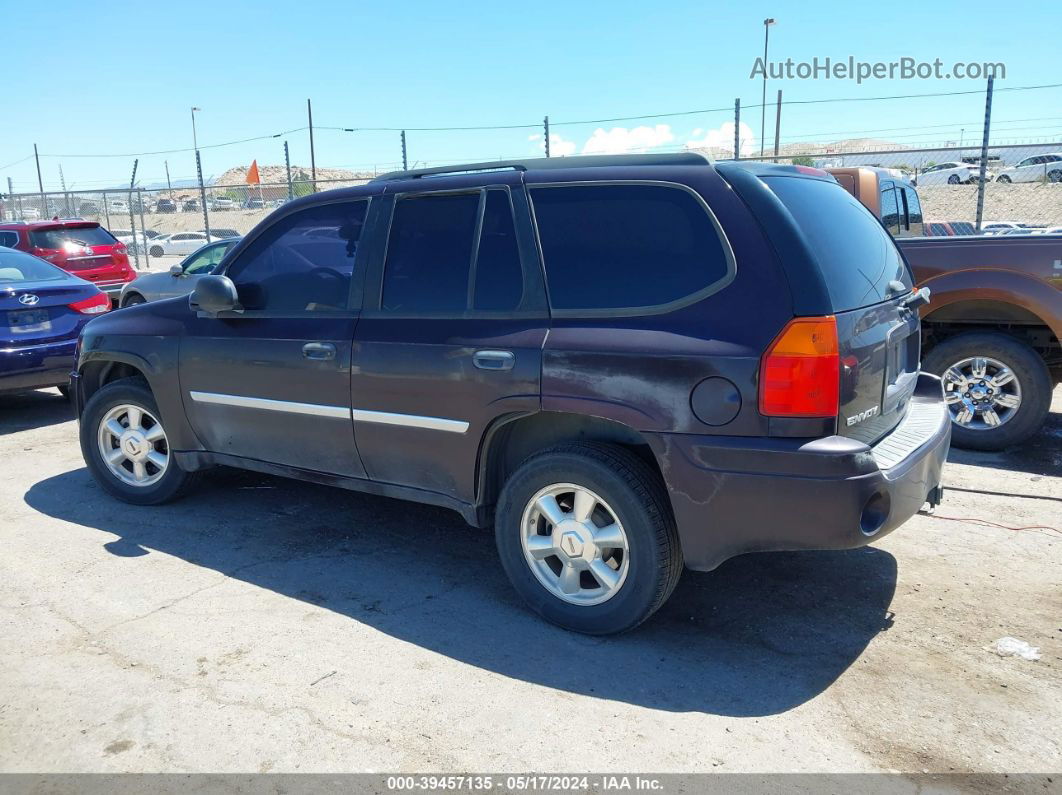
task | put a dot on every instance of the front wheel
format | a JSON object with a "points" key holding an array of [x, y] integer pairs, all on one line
{"points": [[156, 251], [125, 445], [1004, 179], [1054, 176], [953, 179], [586, 536], [133, 299], [997, 389]]}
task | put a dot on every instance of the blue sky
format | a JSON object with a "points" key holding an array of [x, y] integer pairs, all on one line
{"points": [[119, 78]]}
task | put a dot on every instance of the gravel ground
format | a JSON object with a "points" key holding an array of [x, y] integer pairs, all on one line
{"points": [[269, 625]]}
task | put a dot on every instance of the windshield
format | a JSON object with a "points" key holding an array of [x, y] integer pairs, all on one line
{"points": [[79, 235], [17, 267], [858, 258]]}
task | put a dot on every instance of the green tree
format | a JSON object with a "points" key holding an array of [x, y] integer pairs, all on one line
{"points": [[803, 160]]}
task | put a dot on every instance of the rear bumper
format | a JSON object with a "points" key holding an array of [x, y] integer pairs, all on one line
{"points": [[36, 366], [734, 495]]}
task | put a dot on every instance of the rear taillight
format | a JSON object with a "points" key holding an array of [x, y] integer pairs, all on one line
{"points": [[800, 373], [45, 253], [93, 305]]}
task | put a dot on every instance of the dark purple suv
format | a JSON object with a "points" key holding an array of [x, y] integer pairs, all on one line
{"points": [[625, 364]]}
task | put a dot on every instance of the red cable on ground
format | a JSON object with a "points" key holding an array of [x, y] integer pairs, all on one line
{"points": [[992, 524]]}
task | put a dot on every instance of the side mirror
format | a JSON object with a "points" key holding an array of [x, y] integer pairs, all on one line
{"points": [[176, 270], [214, 294]]}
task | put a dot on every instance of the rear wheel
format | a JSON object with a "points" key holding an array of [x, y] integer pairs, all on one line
{"points": [[953, 179], [125, 445], [1054, 176], [1003, 178], [997, 389], [586, 535], [156, 251]]}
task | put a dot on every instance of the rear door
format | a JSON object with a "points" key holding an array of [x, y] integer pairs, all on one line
{"points": [[272, 382], [868, 280], [451, 336]]}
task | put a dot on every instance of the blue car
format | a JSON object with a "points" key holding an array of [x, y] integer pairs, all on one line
{"points": [[42, 311]]}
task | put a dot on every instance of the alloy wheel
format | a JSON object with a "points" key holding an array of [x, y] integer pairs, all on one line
{"points": [[981, 393], [133, 445], [574, 544]]}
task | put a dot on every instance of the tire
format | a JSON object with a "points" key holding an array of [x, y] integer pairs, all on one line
{"points": [[64, 390], [162, 484], [156, 251], [1030, 373], [1054, 176], [632, 496], [953, 179], [1003, 178], [133, 299]]}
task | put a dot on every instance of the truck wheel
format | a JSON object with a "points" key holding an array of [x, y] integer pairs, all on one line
{"points": [[125, 445], [997, 389], [586, 535]]}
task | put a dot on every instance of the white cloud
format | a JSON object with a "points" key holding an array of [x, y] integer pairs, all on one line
{"points": [[561, 147], [723, 138], [538, 137], [621, 139]]}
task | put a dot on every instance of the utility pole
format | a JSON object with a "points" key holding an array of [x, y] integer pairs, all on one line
{"points": [[777, 124], [40, 182], [984, 154], [763, 103], [287, 166], [737, 128], [132, 220], [202, 194], [169, 186], [11, 198], [313, 160], [66, 196], [545, 123], [405, 166]]}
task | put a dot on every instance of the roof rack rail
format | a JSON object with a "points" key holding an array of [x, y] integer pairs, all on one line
{"points": [[542, 163]]}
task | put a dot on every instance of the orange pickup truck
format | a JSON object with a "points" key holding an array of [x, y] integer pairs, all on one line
{"points": [[992, 328]]}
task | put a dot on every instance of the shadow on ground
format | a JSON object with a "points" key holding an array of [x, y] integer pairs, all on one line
{"points": [[25, 411], [1041, 455], [760, 635]]}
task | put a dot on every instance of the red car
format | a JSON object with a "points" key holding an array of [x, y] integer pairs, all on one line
{"points": [[83, 248]]}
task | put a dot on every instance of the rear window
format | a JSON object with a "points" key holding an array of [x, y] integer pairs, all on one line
{"points": [[627, 246], [857, 257], [80, 235], [17, 267]]}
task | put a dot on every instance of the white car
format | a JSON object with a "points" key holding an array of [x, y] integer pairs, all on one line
{"points": [[1034, 169], [222, 203], [118, 206], [179, 243], [950, 173]]}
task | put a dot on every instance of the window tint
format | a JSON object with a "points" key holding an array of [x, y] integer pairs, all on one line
{"points": [[302, 263], [890, 209], [625, 246], [80, 235], [857, 257], [429, 253], [914, 207], [499, 280], [8, 238], [962, 227]]}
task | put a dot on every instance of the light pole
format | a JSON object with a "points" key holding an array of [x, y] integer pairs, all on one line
{"points": [[195, 143], [763, 103]]}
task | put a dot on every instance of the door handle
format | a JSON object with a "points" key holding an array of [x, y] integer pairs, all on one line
{"points": [[494, 360], [319, 350]]}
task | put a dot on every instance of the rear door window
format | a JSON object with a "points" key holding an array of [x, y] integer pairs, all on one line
{"points": [[627, 246], [857, 257], [8, 238], [78, 235]]}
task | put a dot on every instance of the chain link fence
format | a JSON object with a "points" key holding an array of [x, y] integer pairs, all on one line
{"points": [[1022, 195]]}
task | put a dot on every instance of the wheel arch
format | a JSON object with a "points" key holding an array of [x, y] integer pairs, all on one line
{"points": [[511, 439]]}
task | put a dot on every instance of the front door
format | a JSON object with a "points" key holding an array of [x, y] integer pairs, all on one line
{"points": [[272, 382], [451, 337]]}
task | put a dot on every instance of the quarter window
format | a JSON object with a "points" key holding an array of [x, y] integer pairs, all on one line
{"points": [[626, 246], [302, 263], [8, 239]]}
